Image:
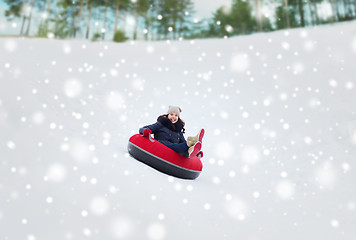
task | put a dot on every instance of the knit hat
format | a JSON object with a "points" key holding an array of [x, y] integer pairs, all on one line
{"points": [[174, 109]]}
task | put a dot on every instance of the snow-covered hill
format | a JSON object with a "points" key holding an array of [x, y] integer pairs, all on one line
{"points": [[279, 150]]}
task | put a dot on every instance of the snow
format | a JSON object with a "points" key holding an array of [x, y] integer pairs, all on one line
{"points": [[279, 149]]}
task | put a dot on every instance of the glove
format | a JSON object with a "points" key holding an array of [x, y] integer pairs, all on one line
{"points": [[146, 132]]}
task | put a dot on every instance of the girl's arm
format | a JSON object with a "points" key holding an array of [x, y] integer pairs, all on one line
{"points": [[153, 127]]}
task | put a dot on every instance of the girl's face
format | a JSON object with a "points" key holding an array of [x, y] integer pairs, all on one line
{"points": [[173, 117]]}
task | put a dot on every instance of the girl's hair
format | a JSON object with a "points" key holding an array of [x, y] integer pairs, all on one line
{"points": [[180, 121]]}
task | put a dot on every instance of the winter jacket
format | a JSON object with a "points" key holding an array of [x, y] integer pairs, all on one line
{"points": [[165, 131]]}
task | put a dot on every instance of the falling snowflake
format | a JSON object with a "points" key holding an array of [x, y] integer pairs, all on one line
{"points": [[250, 155], [38, 118], [11, 145], [236, 208], [240, 63], [72, 88], [224, 149], [67, 48], [115, 101], [156, 231], [285, 189], [80, 150], [57, 172], [99, 205], [325, 176], [122, 227], [10, 45]]}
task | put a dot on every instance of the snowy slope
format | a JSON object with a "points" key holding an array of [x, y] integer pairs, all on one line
{"points": [[279, 151]]}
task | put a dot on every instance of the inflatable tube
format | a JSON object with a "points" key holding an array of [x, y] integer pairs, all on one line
{"points": [[163, 159]]}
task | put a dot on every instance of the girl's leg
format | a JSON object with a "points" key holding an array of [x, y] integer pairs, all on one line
{"points": [[179, 148], [197, 138]]}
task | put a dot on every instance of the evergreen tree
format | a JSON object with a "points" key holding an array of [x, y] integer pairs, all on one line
{"points": [[139, 10], [164, 18], [15, 11], [173, 17], [241, 17], [185, 11], [221, 23], [281, 15], [119, 6], [298, 6]]}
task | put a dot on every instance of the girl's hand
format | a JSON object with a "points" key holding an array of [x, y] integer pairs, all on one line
{"points": [[146, 132]]}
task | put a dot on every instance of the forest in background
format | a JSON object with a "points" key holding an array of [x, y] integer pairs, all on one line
{"points": [[120, 20]]}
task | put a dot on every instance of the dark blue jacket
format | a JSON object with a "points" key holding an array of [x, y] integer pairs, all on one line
{"points": [[165, 131]]}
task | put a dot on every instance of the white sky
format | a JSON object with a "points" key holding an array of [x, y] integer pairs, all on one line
{"points": [[205, 8]]}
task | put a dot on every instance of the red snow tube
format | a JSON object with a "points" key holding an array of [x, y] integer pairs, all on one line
{"points": [[164, 159]]}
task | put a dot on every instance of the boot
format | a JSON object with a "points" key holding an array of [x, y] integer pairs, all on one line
{"points": [[193, 150], [190, 143], [198, 137]]}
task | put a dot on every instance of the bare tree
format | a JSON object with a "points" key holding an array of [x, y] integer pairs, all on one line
{"points": [[286, 9], [79, 17], [301, 12], [258, 15], [90, 6], [30, 18]]}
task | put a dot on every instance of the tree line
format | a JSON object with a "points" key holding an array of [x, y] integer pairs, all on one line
{"points": [[168, 19], [246, 17]]}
